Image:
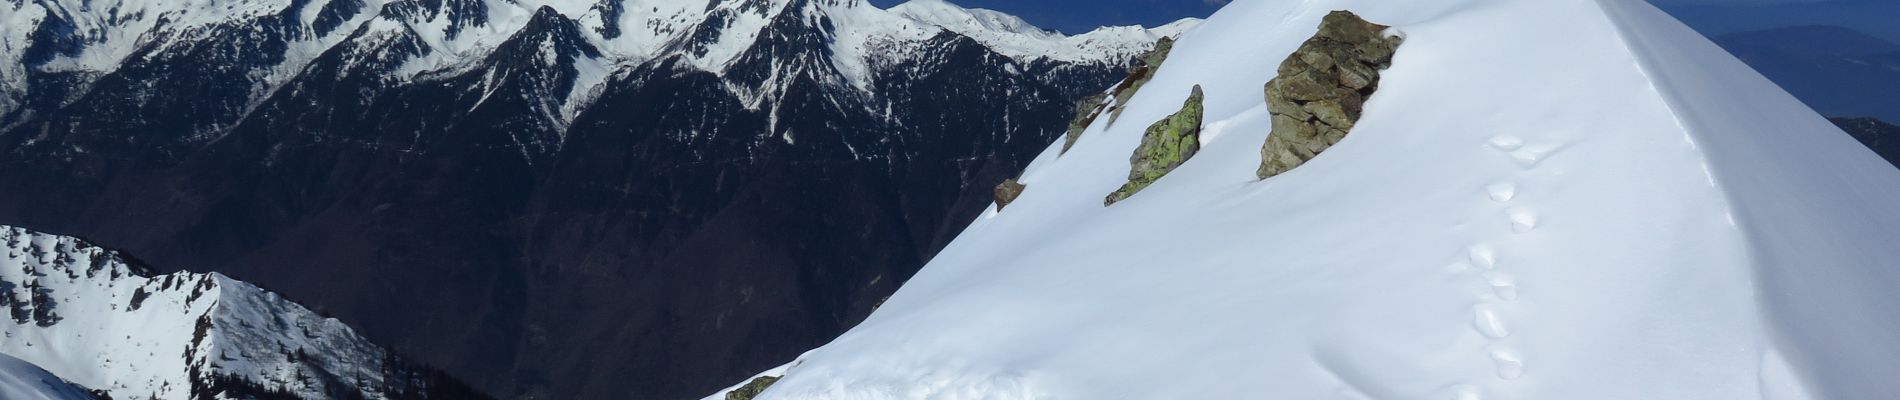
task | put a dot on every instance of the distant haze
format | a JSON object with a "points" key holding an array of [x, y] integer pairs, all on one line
{"points": [[1718, 17]]}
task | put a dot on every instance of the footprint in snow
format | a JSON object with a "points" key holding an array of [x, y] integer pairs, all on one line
{"points": [[1507, 143], [1510, 366], [1482, 256], [1522, 220], [1465, 391], [1502, 284], [1502, 192], [1488, 322]]}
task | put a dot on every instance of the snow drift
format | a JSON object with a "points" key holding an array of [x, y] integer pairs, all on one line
{"points": [[1546, 199]]}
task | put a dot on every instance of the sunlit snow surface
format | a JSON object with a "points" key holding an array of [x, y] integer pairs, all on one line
{"points": [[20, 380], [1546, 199]]}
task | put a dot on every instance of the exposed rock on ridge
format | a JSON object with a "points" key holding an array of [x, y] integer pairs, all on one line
{"points": [[1167, 144], [1007, 192], [1322, 88], [1094, 106], [752, 389]]}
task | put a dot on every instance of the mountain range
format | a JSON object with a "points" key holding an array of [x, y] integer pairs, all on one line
{"points": [[550, 199], [654, 199]]}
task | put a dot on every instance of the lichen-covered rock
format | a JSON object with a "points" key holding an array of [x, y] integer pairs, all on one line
{"points": [[1167, 144], [752, 389], [1092, 108], [1322, 88], [1007, 192]]}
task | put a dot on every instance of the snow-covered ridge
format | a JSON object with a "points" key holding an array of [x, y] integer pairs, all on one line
{"points": [[21, 380], [1544, 199], [91, 316], [1012, 36]]}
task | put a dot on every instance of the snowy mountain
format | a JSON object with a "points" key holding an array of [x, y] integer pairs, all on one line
{"points": [[68, 48], [1541, 199], [101, 320], [20, 380], [570, 199]]}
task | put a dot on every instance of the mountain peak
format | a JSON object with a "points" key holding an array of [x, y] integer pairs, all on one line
{"points": [[965, 20]]}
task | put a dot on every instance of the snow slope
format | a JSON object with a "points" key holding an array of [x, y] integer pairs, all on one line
{"points": [[87, 314], [20, 380], [1546, 199]]}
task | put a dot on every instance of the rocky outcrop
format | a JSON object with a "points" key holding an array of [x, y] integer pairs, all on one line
{"points": [[752, 389], [1091, 108], [1139, 76], [1167, 144], [1007, 192], [1322, 88], [1086, 111]]}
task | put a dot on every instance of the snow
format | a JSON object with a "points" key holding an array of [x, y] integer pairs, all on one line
{"points": [[1546, 199], [110, 32], [868, 37], [20, 380], [976, 20], [468, 45], [99, 340], [1018, 39]]}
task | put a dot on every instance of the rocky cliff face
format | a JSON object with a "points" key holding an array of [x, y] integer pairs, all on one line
{"points": [[608, 199], [1322, 88]]}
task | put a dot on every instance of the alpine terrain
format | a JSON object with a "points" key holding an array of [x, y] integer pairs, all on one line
{"points": [[110, 324], [548, 198], [21, 380], [1449, 199]]}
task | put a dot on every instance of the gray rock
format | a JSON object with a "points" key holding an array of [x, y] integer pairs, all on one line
{"points": [[1322, 89], [1086, 112]]}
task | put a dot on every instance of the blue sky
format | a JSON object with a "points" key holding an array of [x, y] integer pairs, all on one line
{"points": [[1875, 17]]}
